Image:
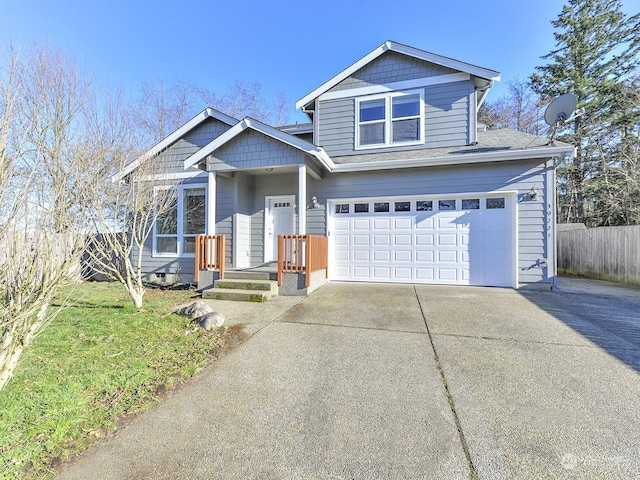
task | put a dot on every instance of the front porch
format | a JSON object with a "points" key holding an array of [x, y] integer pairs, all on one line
{"points": [[301, 268]]}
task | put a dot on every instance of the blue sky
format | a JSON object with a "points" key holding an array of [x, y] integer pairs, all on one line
{"points": [[290, 46]]}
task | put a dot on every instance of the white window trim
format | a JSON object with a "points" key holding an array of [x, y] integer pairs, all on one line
{"points": [[180, 235], [388, 120]]}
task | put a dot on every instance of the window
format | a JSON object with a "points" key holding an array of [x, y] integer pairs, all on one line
{"points": [[388, 120], [446, 205], [470, 204], [497, 202], [361, 208], [424, 206], [381, 207], [403, 206], [342, 208], [176, 229]]}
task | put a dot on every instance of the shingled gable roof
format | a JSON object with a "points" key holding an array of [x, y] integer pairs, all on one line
{"points": [[250, 123], [174, 137], [485, 73]]}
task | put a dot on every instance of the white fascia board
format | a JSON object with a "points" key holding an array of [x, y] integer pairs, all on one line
{"points": [[342, 75], [214, 144], [174, 176], [272, 132], [174, 137], [404, 49], [446, 61], [396, 86], [453, 160]]}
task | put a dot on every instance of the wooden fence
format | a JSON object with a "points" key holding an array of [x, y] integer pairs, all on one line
{"points": [[606, 253], [302, 253], [210, 254]]}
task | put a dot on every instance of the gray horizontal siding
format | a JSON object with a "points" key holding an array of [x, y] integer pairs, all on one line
{"points": [[391, 67], [447, 114], [446, 121]]}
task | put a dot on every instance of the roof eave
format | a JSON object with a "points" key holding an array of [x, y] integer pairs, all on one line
{"points": [[481, 72], [455, 159], [174, 137]]}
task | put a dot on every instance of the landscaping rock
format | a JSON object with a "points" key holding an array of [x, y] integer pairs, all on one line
{"points": [[209, 321], [195, 310]]}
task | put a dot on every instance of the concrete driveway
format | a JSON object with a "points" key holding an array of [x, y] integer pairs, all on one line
{"points": [[400, 381]]}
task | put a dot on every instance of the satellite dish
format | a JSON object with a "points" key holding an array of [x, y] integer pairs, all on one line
{"points": [[559, 111]]}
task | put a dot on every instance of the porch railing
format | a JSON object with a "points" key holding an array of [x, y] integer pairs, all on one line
{"points": [[302, 253], [210, 250]]}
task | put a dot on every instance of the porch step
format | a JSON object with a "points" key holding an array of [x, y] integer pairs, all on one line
{"points": [[247, 284], [245, 275], [238, 294], [243, 287]]}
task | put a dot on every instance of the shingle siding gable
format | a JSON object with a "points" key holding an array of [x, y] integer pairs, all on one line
{"points": [[172, 159], [389, 68]]}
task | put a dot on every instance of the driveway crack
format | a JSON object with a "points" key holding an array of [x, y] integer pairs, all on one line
{"points": [[443, 378]]}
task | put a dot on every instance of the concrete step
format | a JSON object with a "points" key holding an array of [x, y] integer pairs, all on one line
{"points": [[237, 295], [244, 284], [245, 275]]}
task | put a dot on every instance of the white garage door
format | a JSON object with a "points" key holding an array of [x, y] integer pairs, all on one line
{"points": [[446, 240]]}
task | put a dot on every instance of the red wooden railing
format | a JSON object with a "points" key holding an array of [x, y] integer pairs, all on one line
{"points": [[210, 254], [302, 253]]}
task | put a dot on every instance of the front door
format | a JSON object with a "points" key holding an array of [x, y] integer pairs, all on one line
{"points": [[279, 221]]}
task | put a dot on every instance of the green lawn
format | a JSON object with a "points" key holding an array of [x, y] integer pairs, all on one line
{"points": [[99, 361]]}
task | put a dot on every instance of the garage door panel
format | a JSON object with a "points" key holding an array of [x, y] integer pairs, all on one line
{"points": [[359, 240], [382, 255], [402, 255], [447, 274], [361, 224], [382, 239], [382, 273], [402, 240], [470, 247], [403, 274], [382, 224], [445, 240], [424, 256], [342, 240], [424, 223], [425, 274], [447, 256], [402, 224], [424, 239], [361, 255], [360, 272]]}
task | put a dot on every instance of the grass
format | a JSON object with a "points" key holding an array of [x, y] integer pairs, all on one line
{"points": [[98, 362]]}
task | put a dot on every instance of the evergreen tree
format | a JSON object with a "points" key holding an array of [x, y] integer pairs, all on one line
{"points": [[596, 50]]}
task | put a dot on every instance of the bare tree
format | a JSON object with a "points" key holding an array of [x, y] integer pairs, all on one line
{"points": [[122, 219], [162, 107], [520, 109], [41, 97], [243, 99]]}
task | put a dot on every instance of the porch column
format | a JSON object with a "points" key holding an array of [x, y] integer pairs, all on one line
{"points": [[211, 204], [302, 199]]}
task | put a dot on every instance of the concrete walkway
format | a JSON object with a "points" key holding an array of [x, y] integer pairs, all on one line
{"points": [[400, 381]]}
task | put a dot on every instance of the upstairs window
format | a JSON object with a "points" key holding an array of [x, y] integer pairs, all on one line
{"points": [[393, 119]]}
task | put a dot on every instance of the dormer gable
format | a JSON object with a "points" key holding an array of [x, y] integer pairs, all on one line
{"points": [[398, 97]]}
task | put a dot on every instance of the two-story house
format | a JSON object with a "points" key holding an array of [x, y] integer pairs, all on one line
{"points": [[393, 168]]}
